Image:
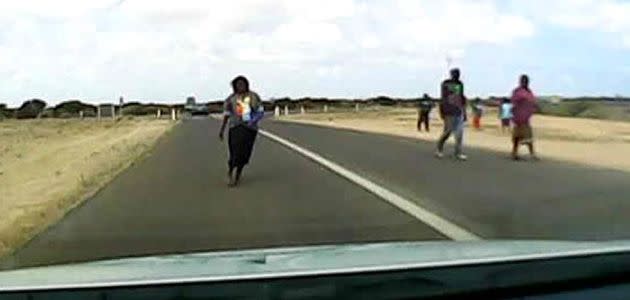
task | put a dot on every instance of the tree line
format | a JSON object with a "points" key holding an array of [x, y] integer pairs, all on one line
{"points": [[37, 108]]}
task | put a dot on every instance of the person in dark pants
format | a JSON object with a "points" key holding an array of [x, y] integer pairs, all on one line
{"points": [[453, 112], [242, 110], [424, 110]]}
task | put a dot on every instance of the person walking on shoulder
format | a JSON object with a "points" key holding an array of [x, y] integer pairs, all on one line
{"points": [[523, 107], [453, 112], [477, 109], [243, 110], [505, 114], [424, 110]]}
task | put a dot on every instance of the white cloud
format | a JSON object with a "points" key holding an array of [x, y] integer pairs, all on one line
{"points": [[370, 42], [52, 9], [322, 10], [163, 48], [455, 23], [602, 14], [310, 33], [329, 71], [606, 16]]}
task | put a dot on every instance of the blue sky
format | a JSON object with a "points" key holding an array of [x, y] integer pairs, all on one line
{"points": [[164, 51]]}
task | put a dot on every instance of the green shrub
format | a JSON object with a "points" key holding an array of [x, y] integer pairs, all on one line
{"points": [[140, 110], [66, 115], [73, 108], [48, 113], [565, 109], [3, 111], [382, 100], [30, 109], [89, 113], [577, 108], [587, 109]]}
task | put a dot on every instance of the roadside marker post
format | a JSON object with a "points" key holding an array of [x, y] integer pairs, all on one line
{"points": [[113, 112], [302, 111], [325, 108], [81, 115], [121, 102], [276, 111], [173, 117], [159, 113], [356, 107], [286, 110], [98, 113]]}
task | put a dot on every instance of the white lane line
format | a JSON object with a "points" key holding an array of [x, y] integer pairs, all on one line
{"points": [[438, 223]]}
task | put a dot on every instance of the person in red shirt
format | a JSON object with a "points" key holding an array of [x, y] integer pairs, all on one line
{"points": [[523, 107]]}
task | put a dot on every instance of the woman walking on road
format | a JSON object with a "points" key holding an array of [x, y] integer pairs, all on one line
{"points": [[242, 110], [523, 107]]}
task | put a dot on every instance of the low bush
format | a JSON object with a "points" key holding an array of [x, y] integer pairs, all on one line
{"points": [[3, 111], [30, 109], [73, 108], [66, 115], [138, 110], [587, 109], [48, 113]]}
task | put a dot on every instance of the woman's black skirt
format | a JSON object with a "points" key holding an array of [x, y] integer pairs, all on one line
{"points": [[240, 142]]}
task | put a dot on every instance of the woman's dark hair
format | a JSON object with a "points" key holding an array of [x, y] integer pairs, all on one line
{"points": [[240, 78]]}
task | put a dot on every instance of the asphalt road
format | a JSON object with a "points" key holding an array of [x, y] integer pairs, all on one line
{"points": [[489, 194], [176, 200]]}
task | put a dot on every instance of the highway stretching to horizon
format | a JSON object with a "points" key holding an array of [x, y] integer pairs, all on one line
{"points": [[176, 200]]}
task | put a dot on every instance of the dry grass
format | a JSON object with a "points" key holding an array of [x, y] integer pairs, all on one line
{"points": [[596, 142], [48, 167]]}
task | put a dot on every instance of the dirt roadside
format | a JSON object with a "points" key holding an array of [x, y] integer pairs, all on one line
{"points": [[597, 143], [47, 167]]}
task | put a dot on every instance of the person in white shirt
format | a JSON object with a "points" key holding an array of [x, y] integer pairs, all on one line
{"points": [[505, 114]]}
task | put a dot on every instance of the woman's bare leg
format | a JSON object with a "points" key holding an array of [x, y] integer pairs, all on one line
{"points": [[515, 142], [231, 180], [237, 178], [532, 153]]}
